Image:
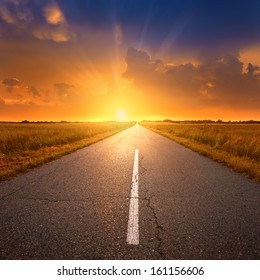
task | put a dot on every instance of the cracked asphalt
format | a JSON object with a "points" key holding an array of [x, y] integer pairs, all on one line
{"points": [[77, 207]]}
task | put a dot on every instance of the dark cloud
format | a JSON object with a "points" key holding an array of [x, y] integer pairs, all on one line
{"points": [[10, 83], [63, 86], [63, 89], [33, 91], [137, 60], [141, 68], [253, 70], [219, 82]]}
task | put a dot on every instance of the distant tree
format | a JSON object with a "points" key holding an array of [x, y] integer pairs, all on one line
{"points": [[25, 121]]}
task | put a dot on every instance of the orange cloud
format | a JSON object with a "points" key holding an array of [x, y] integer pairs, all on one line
{"points": [[6, 15], [53, 14], [16, 13], [56, 35], [58, 30]]}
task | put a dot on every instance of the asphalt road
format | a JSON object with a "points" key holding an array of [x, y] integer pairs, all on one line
{"points": [[77, 207]]}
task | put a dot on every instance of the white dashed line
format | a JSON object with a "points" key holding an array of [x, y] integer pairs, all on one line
{"points": [[133, 221]]}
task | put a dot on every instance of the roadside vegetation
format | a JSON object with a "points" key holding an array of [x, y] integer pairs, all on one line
{"points": [[232, 144], [26, 145]]}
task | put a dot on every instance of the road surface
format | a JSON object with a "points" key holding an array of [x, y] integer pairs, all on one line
{"points": [[135, 195]]}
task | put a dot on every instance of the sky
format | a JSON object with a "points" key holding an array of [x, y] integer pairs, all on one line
{"points": [[100, 60]]}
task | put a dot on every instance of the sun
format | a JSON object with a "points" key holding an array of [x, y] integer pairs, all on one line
{"points": [[121, 115]]}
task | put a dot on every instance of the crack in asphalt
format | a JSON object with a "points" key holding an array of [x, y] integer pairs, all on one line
{"points": [[159, 228], [65, 200], [45, 174], [9, 194], [142, 168], [148, 199]]}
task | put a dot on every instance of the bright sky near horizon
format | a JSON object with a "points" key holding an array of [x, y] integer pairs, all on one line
{"points": [[94, 60]]}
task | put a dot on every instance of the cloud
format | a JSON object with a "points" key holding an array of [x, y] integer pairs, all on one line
{"points": [[22, 18], [53, 14], [63, 89], [33, 90], [18, 92], [57, 30], [215, 82], [15, 13], [10, 83], [24, 14], [7, 15], [137, 58], [49, 34], [138, 61], [253, 70], [63, 86]]}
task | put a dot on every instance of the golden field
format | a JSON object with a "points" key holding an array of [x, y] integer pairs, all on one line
{"points": [[24, 146], [234, 145]]}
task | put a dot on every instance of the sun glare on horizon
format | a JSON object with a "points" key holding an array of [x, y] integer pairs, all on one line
{"points": [[121, 115]]}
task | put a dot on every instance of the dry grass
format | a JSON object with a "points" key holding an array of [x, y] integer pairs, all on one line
{"points": [[24, 146], [235, 145]]}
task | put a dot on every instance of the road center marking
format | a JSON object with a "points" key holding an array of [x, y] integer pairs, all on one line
{"points": [[137, 134], [133, 220]]}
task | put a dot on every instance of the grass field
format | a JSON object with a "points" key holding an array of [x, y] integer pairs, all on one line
{"points": [[234, 145], [24, 146]]}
